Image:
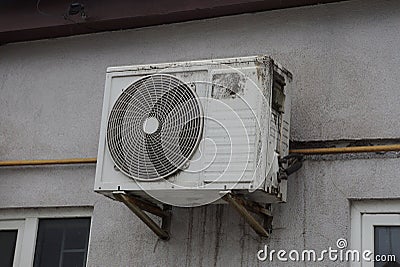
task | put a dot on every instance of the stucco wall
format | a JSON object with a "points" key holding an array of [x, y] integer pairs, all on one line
{"points": [[345, 62]]}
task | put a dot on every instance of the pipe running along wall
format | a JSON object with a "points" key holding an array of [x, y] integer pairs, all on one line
{"points": [[304, 151]]}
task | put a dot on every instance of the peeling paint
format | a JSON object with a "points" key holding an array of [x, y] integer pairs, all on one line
{"points": [[226, 85]]}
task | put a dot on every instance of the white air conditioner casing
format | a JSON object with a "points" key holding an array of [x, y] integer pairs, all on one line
{"points": [[245, 130]]}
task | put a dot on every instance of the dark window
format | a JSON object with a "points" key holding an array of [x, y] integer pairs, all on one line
{"points": [[8, 240], [62, 242], [387, 242]]}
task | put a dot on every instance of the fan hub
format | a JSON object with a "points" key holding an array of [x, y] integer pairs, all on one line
{"points": [[151, 125]]}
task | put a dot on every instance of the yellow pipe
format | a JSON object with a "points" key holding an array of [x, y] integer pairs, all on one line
{"points": [[353, 149], [48, 162], [309, 151]]}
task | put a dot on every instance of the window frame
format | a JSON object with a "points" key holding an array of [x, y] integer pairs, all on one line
{"points": [[18, 225], [28, 221], [365, 215]]}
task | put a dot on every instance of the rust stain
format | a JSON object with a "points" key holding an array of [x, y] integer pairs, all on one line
{"points": [[242, 240], [189, 238], [219, 214], [202, 234]]}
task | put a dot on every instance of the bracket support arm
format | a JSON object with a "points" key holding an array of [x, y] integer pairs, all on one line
{"points": [[138, 207], [244, 207]]}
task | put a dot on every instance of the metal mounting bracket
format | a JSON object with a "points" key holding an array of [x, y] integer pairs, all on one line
{"points": [[139, 207], [244, 207]]}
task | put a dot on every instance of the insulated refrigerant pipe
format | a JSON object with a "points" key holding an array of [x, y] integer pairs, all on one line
{"points": [[304, 151], [342, 150], [47, 162]]}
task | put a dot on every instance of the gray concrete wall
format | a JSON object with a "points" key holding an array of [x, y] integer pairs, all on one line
{"points": [[345, 61]]}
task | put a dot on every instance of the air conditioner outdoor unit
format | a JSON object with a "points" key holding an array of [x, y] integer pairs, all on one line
{"points": [[187, 133]]}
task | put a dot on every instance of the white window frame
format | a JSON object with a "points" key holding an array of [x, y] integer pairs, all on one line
{"points": [[365, 215], [26, 221]]}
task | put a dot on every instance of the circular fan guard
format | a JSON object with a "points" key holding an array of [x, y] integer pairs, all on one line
{"points": [[154, 127]]}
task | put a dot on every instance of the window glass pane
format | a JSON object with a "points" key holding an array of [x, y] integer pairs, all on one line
{"points": [[73, 259], [76, 236], [387, 242], [62, 242], [8, 240]]}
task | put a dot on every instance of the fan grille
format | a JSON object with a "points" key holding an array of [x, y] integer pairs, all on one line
{"points": [[154, 127]]}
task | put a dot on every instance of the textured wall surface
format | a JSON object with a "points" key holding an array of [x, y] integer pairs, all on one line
{"points": [[345, 61]]}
